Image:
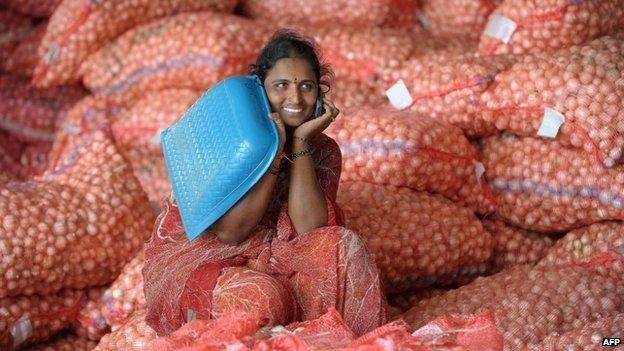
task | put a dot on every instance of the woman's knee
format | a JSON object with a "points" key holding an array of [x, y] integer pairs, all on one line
{"points": [[240, 288]]}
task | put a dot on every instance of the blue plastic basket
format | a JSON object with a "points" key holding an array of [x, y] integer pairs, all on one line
{"points": [[218, 150]]}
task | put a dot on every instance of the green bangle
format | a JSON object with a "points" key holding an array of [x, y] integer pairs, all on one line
{"points": [[301, 153]]}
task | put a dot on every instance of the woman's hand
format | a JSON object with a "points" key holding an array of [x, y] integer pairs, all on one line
{"points": [[311, 128]]}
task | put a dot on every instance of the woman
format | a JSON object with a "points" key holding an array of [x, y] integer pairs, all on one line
{"points": [[281, 251]]}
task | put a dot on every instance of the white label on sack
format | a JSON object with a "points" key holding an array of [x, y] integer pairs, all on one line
{"points": [[399, 96], [500, 27], [551, 122], [21, 331], [479, 170]]}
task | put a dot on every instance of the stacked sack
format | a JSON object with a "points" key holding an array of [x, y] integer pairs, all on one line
{"points": [[538, 103]]}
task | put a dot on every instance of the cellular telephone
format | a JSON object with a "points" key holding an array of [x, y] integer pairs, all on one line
{"points": [[319, 108]]}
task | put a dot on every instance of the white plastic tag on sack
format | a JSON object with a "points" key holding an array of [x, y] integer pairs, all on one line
{"points": [[21, 331], [399, 96], [500, 27], [551, 122], [479, 170]]}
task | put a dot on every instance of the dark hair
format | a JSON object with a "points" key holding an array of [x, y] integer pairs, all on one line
{"points": [[290, 44]]}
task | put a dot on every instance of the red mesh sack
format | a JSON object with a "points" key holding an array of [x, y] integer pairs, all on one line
{"points": [[448, 88], [32, 114], [543, 186], [548, 25], [140, 146], [79, 28], [417, 239], [134, 335], [151, 172], [582, 243], [402, 302], [320, 12], [75, 225], [472, 332], [232, 331], [64, 341], [28, 319], [363, 54], [531, 303], [189, 50], [446, 18], [139, 125], [515, 246], [10, 151], [32, 8], [403, 149], [90, 322], [403, 14], [35, 159], [588, 337], [13, 28], [351, 93], [23, 59], [579, 87], [125, 295]]}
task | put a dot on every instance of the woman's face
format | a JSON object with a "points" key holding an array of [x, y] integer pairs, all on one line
{"points": [[292, 88]]}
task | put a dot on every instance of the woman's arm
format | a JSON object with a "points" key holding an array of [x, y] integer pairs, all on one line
{"points": [[307, 206], [236, 224]]}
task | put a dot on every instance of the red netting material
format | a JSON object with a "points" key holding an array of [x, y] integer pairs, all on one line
{"points": [[416, 238], [543, 186], [181, 275], [465, 18], [579, 244], [78, 28], [32, 114], [189, 50], [583, 83], [241, 331], [125, 295], [33, 8], [45, 314], [64, 341], [532, 303], [23, 58], [588, 337], [362, 14], [90, 322], [548, 25], [74, 226], [514, 246], [403, 148]]}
